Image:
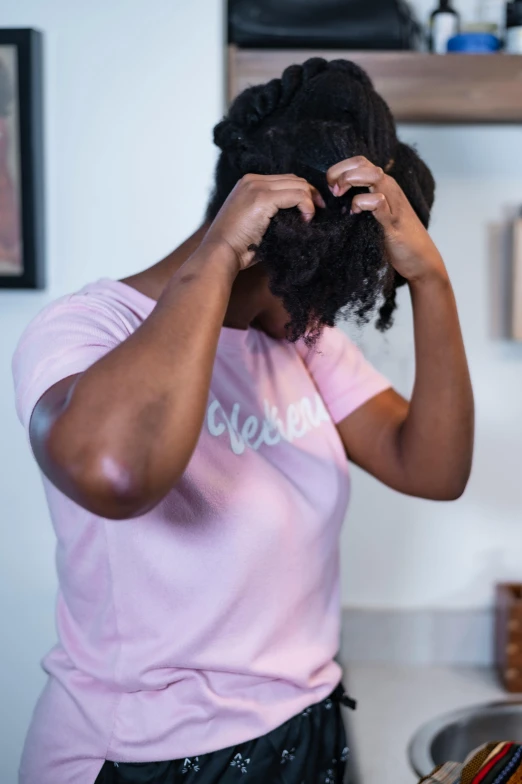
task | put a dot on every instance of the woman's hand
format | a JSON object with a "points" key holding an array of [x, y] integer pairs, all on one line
{"points": [[411, 249], [246, 214]]}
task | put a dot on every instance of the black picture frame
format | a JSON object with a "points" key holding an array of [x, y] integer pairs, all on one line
{"points": [[22, 260]]}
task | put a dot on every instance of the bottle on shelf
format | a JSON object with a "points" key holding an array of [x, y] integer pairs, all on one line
{"points": [[514, 27], [444, 24]]}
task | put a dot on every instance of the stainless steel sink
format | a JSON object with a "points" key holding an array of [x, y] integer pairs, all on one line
{"points": [[453, 736]]}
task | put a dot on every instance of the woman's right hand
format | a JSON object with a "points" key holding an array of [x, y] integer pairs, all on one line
{"points": [[247, 212]]}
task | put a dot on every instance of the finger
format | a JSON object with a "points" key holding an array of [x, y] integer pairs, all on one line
{"points": [[295, 197], [283, 184], [311, 189], [369, 176], [376, 203], [292, 184], [317, 198], [270, 177], [334, 172], [284, 181]]}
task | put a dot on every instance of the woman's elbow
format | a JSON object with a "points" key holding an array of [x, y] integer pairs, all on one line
{"points": [[450, 489], [113, 490], [107, 488], [100, 482], [450, 493]]}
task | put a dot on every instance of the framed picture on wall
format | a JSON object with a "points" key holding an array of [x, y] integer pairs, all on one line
{"points": [[21, 160]]}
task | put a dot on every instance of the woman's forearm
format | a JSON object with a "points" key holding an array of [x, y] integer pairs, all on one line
{"points": [[132, 420], [436, 438]]}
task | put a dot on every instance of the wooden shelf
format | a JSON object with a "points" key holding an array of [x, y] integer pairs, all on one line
{"points": [[419, 88]]}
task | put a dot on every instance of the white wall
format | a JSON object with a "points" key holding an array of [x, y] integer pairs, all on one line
{"points": [[132, 92], [133, 89], [404, 553]]}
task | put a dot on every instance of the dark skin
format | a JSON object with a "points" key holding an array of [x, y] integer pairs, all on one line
{"points": [[119, 436]]}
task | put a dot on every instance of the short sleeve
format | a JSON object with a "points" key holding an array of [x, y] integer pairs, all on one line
{"points": [[343, 377], [65, 339]]}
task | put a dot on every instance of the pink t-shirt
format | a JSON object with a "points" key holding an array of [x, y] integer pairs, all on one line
{"points": [[213, 618]]}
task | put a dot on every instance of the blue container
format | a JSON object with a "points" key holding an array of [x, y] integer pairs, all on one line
{"points": [[474, 43]]}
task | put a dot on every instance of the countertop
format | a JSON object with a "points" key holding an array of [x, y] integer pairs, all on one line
{"points": [[393, 701]]}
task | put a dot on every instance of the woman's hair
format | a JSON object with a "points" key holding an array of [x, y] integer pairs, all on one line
{"points": [[314, 116]]}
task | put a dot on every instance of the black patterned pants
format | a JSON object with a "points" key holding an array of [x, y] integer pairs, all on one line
{"points": [[308, 749]]}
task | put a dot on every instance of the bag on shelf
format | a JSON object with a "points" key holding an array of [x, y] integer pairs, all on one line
{"points": [[323, 24]]}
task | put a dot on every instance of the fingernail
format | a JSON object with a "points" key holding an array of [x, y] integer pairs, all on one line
{"points": [[336, 190]]}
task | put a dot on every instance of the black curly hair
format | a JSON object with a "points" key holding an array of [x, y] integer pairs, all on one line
{"points": [[314, 116]]}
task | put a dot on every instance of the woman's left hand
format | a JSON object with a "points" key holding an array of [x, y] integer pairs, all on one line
{"points": [[411, 250]]}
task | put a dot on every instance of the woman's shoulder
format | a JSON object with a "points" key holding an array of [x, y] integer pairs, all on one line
{"points": [[103, 304], [71, 333]]}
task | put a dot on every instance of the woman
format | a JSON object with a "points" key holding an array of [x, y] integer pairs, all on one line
{"points": [[193, 425]]}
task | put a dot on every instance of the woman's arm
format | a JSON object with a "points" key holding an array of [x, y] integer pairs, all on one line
{"points": [[117, 437], [423, 448]]}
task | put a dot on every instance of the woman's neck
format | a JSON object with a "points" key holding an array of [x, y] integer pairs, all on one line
{"points": [[248, 298]]}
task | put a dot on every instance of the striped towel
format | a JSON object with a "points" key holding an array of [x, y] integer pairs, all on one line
{"points": [[493, 763]]}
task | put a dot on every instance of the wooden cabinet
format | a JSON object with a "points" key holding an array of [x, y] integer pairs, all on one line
{"points": [[508, 635]]}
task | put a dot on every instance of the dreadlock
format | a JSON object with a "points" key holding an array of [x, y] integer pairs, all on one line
{"points": [[314, 116]]}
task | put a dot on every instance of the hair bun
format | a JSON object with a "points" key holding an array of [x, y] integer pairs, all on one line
{"points": [[255, 104], [258, 104], [228, 135], [352, 70]]}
